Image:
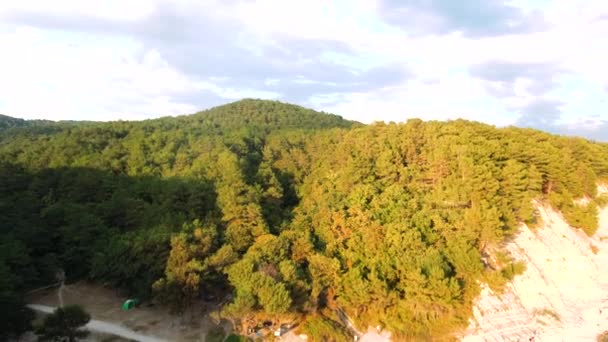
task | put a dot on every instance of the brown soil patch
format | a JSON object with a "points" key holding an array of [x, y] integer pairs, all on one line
{"points": [[105, 304]]}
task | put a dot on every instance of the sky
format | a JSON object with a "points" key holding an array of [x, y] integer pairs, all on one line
{"points": [[534, 63]]}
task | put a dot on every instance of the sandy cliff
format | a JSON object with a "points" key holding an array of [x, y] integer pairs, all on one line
{"points": [[562, 296]]}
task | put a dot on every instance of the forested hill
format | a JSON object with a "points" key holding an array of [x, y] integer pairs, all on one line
{"points": [[247, 114], [9, 122], [285, 211], [266, 115], [10, 125]]}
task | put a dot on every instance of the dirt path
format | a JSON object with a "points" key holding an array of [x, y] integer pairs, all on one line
{"points": [[105, 306], [104, 327]]}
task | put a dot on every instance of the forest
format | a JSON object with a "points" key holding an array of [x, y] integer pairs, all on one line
{"points": [[284, 211]]}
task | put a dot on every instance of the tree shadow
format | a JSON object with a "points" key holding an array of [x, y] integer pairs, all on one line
{"points": [[95, 224]]}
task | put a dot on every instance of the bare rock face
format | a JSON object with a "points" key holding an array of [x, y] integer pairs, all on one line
{"points": [[562, 296]]}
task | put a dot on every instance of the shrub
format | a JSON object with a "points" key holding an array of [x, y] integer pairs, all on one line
{"points": [[237, 338], [65, 324], [514, 269], [548, 312], [602, 201], [323, 329], [216, 334], [495, 281], [583, 217]]}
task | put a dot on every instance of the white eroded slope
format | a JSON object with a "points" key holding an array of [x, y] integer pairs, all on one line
{"points": [[562, 296]]}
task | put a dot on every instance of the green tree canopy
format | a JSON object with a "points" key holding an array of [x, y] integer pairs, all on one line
{"points": [[65, 323], [279, 210]]}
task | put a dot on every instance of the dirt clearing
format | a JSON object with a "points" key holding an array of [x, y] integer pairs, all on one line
{"points": [[106, 305]]}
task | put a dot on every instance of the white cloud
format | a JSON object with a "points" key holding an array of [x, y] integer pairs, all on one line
{"points": [[64, 77], [58, 66], [452, 97], [61, 76], [109, 9]]}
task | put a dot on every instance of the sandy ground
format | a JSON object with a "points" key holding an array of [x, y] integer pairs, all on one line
{"points": [[146, 323], [562, 296], [374, 335], [104, 327], [105, 305]]}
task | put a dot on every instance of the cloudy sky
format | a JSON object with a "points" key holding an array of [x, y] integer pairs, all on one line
{"points": [[535, 63]]}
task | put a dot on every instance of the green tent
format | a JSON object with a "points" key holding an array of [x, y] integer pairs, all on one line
{"points": [[130, 304]]}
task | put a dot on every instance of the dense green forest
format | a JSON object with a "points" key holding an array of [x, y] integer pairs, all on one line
{"points": [[286, 210], [9, 122]]}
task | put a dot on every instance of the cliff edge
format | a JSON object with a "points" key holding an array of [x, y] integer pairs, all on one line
{"points": [[563, 294]]}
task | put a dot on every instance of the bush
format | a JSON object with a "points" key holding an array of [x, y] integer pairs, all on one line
{"points": [[323, 329], [514, 269], [583, 217], [237, 338], [64, 324], [216, 334], [548, 312], [495, 281], [498, 280], [603, 337], [602, 201]]}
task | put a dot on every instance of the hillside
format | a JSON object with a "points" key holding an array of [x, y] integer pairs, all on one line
{"points": [[9, 122], [10, 126], [562, 295], [284, 212], [242, 126], [266, 115]]}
